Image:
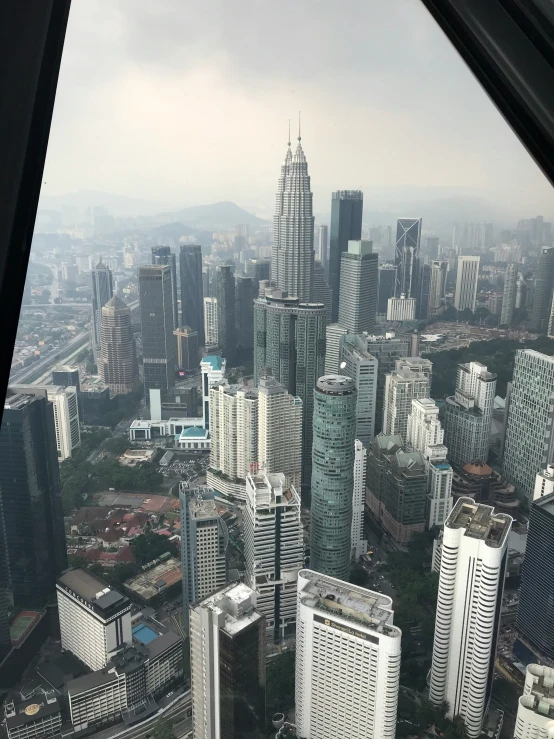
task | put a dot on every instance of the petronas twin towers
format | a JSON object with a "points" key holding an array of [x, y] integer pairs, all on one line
{"points": [[292, 256]]}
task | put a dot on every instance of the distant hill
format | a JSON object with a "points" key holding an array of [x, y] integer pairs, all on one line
{"points": [[175, 230], [118, 205], [215, 217]]}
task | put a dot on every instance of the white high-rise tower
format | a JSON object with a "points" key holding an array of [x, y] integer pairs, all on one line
{"points": [[292, 255]]}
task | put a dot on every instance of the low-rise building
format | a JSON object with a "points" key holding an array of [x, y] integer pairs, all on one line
{"points": [[159, 580], [37, 718]]}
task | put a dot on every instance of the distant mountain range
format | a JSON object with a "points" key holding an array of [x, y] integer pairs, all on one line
{"points": [[215, 217]]}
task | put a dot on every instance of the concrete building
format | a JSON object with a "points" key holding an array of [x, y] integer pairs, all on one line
{"points": [[204, 540], [466, 283], [529, 445], [387, 287], [358, 542], [273, 549], [437, 288], [471, 582], [386, 350], [192, 290], [213, 369], [245, 292], [362, 367], [35, 718], [406, 257], [95, 620], [401, 309], [535, 712], [117, 360], [333, 341], [346, 225], [544, 482], [509, 295], [227, 661], [347, 661], [401, 387], [333, 475], [359, 278], [187, 348], [102, 291], [323, 248], [469, 414], [211, 322]]}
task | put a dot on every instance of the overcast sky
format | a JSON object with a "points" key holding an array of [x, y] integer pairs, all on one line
{"points": [[188, 102]]}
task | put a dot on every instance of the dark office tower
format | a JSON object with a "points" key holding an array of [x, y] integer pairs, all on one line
{"points": [[535, 614], [30, 500], [321, 292], [164, 255], [102, 291], [187, 348], [408, 235], [226, 313], [432, 247], [259, 269], [333, 475], [346, 225], [117, 362], [387, 287], [544, 283], [423, 290], [192, 296], [245, 291], [159, 350], [66, 376]]}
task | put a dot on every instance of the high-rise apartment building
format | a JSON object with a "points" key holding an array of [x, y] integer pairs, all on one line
{"points": [[213, 369], [437, 287], [117, 361], [273, 549], [386, 350], [227, 665], [102, 291], [323, 248], [95, 620], [292, 255], [359, 278], [401, 387], [333, 474], [279, 431], [226, 310], [535, 613], [334, 334], [192, 290], [544, 284], [346, 225], [406, 259], [509, 295], [358, 543], [164, 255], [466, 283], [289, 345], [362, 367], [211, 323], [469, 414], [187, 348], [401, 309], [535, 712], [245, 292], [471, 583], [529, 445], [321, 292], [347, 660], [31, 515], [387, 288], [204, 540]]}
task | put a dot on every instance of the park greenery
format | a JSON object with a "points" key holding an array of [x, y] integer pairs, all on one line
{"points": [[417, 715], [280, 683]]}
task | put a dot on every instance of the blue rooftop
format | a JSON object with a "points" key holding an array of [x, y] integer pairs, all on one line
{"points": [[214, 360], [194, 432]]}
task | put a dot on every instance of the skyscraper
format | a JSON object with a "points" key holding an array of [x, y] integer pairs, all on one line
{"points": [[423, 291], [187, 348], [246, 291], [321, 292], [31, 513], [227, 665], [117, 363], [192, 303], [323, 248], [346, 225], [290, 346], [333, 475], [273, 549], [509, 296], [529, 445], [334, 333], [159, 349], [535, 713], [213, 369], [386, 350], [544, 482], [469, 414], [406, 259], [432, 247], [362, 367], [471, 583], [211, 320], [358, 543], [347, 661], [401, 387], [466, 283], [226, 313], [292, 256], [204, 540], [102, 291], [164, 255], [359, 279], [437, 287], [544, 283], [258, 270], [387, 287]]}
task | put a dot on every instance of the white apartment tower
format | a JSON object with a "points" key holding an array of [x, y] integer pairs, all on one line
{"points": [[95, 620], [535, 713], [210, 322], [362, 367], [401, 387], [359, 544], [347, 660], [471, 582], [273, 549], [466, 283], [544, 482], [212, 368], [233, 430], [333, 340]]}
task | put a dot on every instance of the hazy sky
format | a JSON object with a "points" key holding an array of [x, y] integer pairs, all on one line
{"points": [[188, 102]]}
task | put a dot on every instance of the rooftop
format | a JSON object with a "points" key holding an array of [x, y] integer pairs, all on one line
{"points": [[546, 503], [480, 522], [90, 588], [152, 582], [202, 506], [235, 605], [216, 362], [370, 610], [541, 696], [336, 385], [34, 709], [194, 432]]}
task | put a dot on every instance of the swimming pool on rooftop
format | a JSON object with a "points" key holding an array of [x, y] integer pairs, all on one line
{"points": [[144, 634]]}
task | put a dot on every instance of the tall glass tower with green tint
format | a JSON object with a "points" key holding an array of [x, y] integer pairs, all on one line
{"points": [[333, 474]]}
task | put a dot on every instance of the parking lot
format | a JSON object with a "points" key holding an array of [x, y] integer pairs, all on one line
{"points": [[187, 469]]}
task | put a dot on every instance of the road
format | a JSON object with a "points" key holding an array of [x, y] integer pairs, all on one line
{"points": [[177, 714], [53, 357]]}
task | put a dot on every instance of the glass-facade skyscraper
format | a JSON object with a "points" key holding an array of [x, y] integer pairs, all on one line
{"points": [[192, 293], [544, 283], [406, 256], [333, 475], [164, 255], [226, 310], [346, 225], [102, 291]]}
